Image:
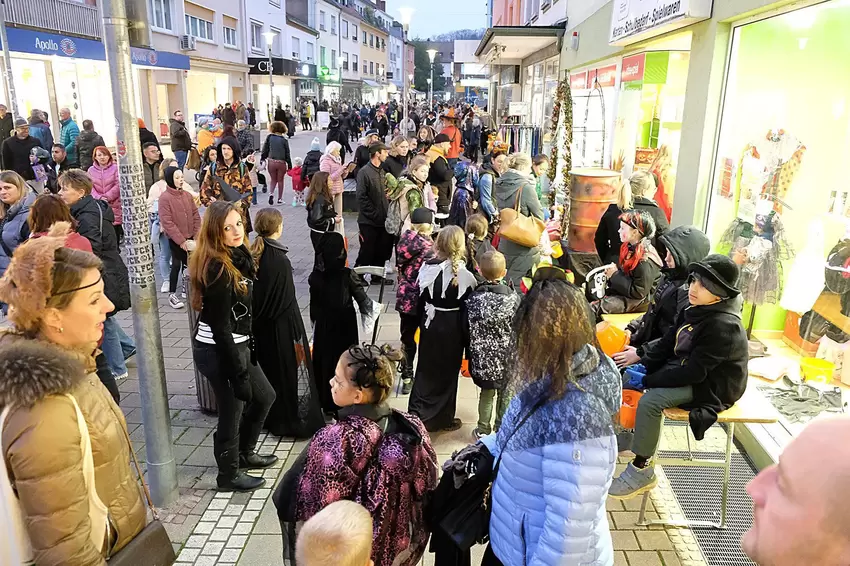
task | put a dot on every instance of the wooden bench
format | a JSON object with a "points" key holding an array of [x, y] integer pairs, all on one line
{"points": [[751, 408], [621, 320]]}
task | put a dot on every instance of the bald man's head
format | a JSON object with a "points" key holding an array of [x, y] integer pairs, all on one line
{"points": [[802, 505]]}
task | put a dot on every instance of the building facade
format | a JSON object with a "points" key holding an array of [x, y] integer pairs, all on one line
{"points": [[329, 59], [349, 48], [303, 34], [266, 17], [395, 62]]}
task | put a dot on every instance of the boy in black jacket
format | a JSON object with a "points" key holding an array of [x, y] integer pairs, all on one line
{"points": [[487, 321], [682, 246], [701, 365]]}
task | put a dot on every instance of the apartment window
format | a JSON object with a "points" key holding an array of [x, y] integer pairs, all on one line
{"points": [[161, 12], [199, 28], [296, 48], [323, 56], [344, 26], [322, 20], [371, 67], [256, 36], [354, 60], [532, 10], [309, 53], [333, 58], [344, 61], [277, 42], [333, 25], [229, 36], [383, 45], [365, 39], [371, 40], [353, 32]]}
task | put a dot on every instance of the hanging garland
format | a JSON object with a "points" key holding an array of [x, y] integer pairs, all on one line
{"points": [[562, 158]]}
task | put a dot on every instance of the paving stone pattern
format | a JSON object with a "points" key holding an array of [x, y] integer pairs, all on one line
{"points": [[209, 528]]}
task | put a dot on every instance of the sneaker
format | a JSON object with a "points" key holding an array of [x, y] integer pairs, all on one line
{"points": [[280, 201], [294, 202], [271, 200], [164, 287], [265, 188], [121, 377], [456, 424], [633, 482], [406, 386], [174, 301]]}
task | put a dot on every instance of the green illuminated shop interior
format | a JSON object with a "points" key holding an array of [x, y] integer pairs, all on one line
{"points": [[789, 73]]}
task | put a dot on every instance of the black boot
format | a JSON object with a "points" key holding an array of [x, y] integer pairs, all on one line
{"points": [[254, 461], [231, 478], [406, 377]]}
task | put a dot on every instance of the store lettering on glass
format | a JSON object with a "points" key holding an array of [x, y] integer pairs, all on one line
{"points": [[578, 81], [633, 68]]}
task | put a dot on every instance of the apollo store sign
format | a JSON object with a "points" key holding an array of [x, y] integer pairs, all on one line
{"points": [[636, 20], [281, 67], [48, 44]]}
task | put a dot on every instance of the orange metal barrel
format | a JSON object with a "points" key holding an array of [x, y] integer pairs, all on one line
{"points": [[591, 193]]}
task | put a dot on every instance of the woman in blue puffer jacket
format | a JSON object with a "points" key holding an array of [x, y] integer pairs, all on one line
{"points": [[556, 464]]}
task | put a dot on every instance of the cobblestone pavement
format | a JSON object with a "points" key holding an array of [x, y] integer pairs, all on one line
{"points": [[209, 528]]}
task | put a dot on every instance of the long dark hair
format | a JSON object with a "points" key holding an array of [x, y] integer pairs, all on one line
{"points": [[212, 247], [320, 185], [547, 338]]}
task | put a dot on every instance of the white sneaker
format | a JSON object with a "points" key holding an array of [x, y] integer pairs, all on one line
{"points": [[121, 377], [164, 287], [174, 301]]}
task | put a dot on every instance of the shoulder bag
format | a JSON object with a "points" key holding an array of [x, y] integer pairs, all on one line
{"points": [[519, 228], [468, 522], [152, 545]]}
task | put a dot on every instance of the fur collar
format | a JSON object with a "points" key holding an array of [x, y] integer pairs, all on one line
{"points": [[31, 369]]}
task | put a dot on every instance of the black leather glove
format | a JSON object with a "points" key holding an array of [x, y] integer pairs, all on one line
{"points": [[242, 387]]}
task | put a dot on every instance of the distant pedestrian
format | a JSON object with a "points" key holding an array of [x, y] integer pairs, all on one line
{"points": [[278, 158], [181, 140], [40, 130], [86, 142], [68, 136], [18, 148], [147, 136]]}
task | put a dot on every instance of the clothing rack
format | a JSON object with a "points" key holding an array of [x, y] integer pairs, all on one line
{"points": [[525, 138]]}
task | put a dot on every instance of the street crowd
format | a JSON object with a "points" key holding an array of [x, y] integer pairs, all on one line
{"points": [[483, 285]]}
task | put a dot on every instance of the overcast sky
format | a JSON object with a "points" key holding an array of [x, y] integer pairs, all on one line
{"points": [[433, 17]]}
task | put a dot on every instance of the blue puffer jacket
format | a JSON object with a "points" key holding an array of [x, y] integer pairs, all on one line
{"points": [[549, 495], [14, 229]]}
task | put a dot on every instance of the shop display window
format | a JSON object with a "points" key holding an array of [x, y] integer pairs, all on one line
{"points": [[648, 127], [780, 202]]}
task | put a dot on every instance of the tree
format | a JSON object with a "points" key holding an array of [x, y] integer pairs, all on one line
{"points": [[460, 34], [423, 69]]}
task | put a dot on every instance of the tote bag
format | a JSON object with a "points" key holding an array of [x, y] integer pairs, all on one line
{"points": [[519, 228], [15, 546]]}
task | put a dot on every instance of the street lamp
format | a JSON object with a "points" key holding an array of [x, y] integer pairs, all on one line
{"points": [[270, 35], [431, 54], [406, 15]]}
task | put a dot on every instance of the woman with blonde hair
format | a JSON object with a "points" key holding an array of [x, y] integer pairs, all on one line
{"points": [[517, 187], [444, 283], [398, 158], [16, 198], [282, 344], [636, 193], [52, 402]]}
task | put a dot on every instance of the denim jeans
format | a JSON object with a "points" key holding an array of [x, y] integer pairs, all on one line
{"points": [[116, 346], [157, 235], [181, 157]]}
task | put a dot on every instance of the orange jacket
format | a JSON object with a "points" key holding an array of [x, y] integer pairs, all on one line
{"points": [[455, 137]]}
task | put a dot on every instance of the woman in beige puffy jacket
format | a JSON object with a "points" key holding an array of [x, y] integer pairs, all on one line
{"points": [[58, 306]]}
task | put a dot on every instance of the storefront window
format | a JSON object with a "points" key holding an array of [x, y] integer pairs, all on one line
{"points": [[779, 192], [30, 85], [648, 129], [594, 95]]}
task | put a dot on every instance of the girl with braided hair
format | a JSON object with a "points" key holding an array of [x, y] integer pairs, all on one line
{"points": [[632, 281], [444, 284], [373, 455]]}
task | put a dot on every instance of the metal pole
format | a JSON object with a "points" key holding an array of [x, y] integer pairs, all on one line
{"points": [[271, 79], [8, 80], [162, 470], [431, 88]]}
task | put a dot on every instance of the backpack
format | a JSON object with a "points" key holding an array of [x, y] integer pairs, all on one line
{"points": [[395, 219]]}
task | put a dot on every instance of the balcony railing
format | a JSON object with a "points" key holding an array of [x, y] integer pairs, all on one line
{"points": [[60, 16]]}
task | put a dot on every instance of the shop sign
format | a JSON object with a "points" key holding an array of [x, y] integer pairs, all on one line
{"points": [[605, 76], [518, 109], [635, 20], [578, 81], [49, 44], [633, 68], [281, 67]]}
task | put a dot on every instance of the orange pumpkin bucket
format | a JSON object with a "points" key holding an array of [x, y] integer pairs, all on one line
{"points": [[611, 339], [628, 410]]}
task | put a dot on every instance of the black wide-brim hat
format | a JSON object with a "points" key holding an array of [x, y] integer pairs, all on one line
{"points": [[719, 275]]}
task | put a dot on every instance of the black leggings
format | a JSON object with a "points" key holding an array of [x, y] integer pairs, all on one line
{"points": [[409, 324], [179, 260]]}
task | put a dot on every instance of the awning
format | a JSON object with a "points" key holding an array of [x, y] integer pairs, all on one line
{"points": [[371, 84], [519, 41]]}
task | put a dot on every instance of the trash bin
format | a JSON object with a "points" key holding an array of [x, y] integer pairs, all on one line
{"points": [[256, 135], [206, 395]]}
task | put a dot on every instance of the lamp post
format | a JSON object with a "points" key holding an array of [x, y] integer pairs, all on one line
{"points": [[269, 35], [431, 54], [406, 15]]}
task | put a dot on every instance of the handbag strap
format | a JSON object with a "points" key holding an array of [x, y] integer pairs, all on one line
{"points": [[141, 475], [518, 198]]}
